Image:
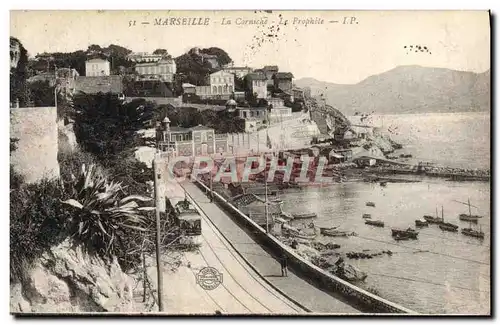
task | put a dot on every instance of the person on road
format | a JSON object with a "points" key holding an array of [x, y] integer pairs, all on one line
{"points": [[284, 265]]}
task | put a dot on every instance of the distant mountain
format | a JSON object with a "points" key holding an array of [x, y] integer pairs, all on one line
{"points": [[408, 89]]}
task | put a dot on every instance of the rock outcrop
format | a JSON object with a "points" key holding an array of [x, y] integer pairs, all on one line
{"points": [[66, 279]]}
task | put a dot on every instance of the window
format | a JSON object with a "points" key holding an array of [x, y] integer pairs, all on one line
{"points": [[230, 89], [220, 89], [215, 90], [244, 114], [225, 89]]}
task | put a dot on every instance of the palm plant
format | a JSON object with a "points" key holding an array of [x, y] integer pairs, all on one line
{"points": [[103, 217]]}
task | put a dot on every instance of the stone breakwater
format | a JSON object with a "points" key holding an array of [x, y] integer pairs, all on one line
{"points": [[433, 171]]}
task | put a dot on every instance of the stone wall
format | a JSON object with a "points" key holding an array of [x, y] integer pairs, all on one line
{"points": [[36, 153]]}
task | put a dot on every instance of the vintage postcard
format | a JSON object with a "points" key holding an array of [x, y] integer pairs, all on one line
{"points": [[250, 162]]}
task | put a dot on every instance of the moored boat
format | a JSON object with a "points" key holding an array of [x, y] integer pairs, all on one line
{"points": [[303, 236], [473, 232], [304, 216], [410, 233], [468, 217], [367, 216], [334, 232], [431, 219], [446, 227], [296, 233], [376, 223], [370, 204], [401, 237], [421, 223]]}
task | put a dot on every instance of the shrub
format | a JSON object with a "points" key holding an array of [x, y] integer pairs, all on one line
{"points": [[37, 221], [102, 217]]}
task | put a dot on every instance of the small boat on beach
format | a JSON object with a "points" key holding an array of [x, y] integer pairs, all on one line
{"points": [[401, 237], [421, 223], [296, 233], [367, 216], [334, 232], [383, 184], [403, 233], [370, 204], [304, 216], [303, 236], [376, 223]]}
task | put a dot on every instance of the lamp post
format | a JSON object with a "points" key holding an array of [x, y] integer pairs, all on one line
{"points": [[211, 186], [266, 202], [159, 273]]}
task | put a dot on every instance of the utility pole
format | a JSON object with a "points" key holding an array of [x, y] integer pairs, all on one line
{"points": [[211, 187], [266, 207], [159, 272]]}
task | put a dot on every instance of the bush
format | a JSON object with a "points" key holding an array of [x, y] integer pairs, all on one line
{"points": [[37, 221], [102, 217]]}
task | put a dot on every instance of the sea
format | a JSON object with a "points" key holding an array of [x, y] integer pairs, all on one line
{"points": [[440, 272]]}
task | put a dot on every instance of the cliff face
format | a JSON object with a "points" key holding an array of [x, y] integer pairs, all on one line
{"points": [[68, 280], [328, 119]]}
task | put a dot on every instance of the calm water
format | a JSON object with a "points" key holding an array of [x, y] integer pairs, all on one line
{"points": [[453, 276], [458, 140]]}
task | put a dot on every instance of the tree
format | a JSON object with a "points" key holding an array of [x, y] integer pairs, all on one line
{"points": [[194, 69], [41, 94], [222, 57], [106, 128], [160, 52], [19, 73]]}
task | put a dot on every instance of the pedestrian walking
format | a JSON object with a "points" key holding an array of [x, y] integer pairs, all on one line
{"points": [[284, 265]]}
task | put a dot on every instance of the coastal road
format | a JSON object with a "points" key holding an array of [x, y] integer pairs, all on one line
{"points": [[242, 290], [295, 287]]}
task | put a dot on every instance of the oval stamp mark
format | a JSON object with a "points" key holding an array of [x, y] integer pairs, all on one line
{"points": [[209, 278]]}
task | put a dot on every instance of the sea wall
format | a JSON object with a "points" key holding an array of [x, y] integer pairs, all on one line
{"points": [[36, 153], [364, 299]]}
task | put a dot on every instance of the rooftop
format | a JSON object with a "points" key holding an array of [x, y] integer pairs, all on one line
{"points": [[256, 76], [97, 60], [283, 75], [186, 130], [271, 67]]}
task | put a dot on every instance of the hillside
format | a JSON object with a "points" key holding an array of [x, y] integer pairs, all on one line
{"points": [[408, 89]]}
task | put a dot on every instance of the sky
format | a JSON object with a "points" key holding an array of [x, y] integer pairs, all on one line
{"points": [[344, 53]]}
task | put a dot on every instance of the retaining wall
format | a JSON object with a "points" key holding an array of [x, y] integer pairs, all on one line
{"points": [[323, 279], [36, 153]]}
